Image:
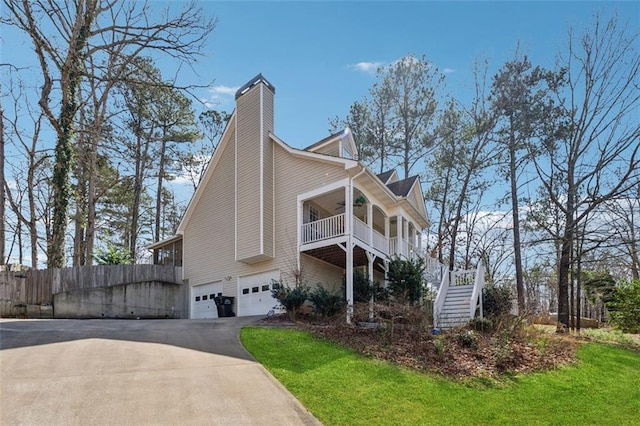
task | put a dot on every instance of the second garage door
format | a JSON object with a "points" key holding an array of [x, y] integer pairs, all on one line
{"points": [[255, 293]]}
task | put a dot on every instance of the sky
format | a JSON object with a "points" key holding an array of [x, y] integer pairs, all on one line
{"points": [[322, 56]]}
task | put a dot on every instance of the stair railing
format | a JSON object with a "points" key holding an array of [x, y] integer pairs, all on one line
{"points": [[441, 297], [476, 294]]}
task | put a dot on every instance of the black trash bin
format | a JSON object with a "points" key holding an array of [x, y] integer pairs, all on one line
{"points": [[219, 306], [227, 304]]}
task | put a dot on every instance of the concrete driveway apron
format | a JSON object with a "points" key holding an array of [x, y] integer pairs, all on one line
{"points": [[144, 372]]}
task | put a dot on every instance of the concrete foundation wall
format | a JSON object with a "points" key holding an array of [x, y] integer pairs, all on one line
{"points": [[151, 299]]}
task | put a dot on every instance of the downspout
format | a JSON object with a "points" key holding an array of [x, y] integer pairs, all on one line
{"points": [[349, 263]]}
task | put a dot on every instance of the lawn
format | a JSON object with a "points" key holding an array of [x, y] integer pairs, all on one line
{"points": [[341, 387]]}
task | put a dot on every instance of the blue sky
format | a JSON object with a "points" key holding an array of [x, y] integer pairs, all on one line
{"points": [[321, 56], [310, 51]]}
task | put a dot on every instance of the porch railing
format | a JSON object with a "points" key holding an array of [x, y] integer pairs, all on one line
{"points": [[323, 229], [334, 226], [380, 242], [401, 247], [361, 230]]}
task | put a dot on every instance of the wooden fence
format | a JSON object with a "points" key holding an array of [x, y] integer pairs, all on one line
{"points": [[37, 287]]}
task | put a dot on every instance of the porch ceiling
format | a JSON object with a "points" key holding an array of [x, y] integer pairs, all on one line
{"points": [[336, 256]]}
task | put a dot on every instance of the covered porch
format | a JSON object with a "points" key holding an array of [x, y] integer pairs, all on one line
{"points": [[325, 222]]}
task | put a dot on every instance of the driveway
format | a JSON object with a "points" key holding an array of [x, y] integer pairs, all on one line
{"points": [[144, 372]]}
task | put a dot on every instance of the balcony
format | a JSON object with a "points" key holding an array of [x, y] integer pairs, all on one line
{"points": [[323, 229], [334, 227]]}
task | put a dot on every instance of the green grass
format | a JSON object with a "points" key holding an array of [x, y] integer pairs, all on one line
{"points": [[341, 387], [612, 336]]}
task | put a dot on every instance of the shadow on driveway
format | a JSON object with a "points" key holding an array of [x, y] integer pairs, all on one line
{"points": [[215, 336]]}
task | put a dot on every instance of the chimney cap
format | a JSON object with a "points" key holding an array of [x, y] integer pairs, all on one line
{"points": [[254, 81]]}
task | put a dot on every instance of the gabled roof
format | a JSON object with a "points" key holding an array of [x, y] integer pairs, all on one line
{"points": [[402, 188], [321, 142], [385, 176]]}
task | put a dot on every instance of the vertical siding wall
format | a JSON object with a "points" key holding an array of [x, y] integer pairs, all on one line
{"points": [[254, 174]]}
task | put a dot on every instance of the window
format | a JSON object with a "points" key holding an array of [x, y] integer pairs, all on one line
{"points": [[204, 297], [255, 289], [245, 291], [211, 296], [265, 287], [197, 298], [314, 214]]}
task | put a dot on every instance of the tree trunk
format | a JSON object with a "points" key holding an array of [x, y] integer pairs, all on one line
{"points": [[516, 227], [158, 225], [3, 259], [70, 83]]}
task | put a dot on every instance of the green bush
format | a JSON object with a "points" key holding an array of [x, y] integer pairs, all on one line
{"points": [[363, 288], [496, 300], [292, 298], [467, 339], [624, 307], [113, 256], [405, 277], [325, 302], [481, 324]]}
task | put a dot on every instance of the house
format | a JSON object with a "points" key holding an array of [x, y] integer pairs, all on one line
{"points": [[265, 211]]}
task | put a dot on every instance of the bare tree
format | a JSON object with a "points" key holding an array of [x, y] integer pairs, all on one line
{"points": [[594, 156], [65, 36], [519, 97], [473, 157], [3, 216]]}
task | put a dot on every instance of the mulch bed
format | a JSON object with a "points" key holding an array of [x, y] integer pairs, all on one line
{"points": [[458, 353]]}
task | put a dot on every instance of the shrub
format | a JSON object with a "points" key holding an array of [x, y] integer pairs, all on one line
{"points": [[624, 307], [405, 278], [325, 302], [291, 298], [467, 339], [481, 324], [113, 256], [363, 288], [496, 300]]}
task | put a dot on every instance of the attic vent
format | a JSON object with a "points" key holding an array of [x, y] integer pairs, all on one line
{"points": [[254, 81]]}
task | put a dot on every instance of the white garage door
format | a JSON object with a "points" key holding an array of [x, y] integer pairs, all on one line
{"points": [[203, 304], [255, 293]]}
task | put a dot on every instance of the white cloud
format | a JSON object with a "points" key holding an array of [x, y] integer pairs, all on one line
{"points": [[224, 90], [366, 67], [220, 95], [448, 70]]}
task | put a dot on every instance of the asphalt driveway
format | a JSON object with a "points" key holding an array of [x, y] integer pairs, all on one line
{"points": [[144, 372]]}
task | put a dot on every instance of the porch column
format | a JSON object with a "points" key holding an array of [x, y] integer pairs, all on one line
{"points": [[399, 245], [299, 233], [405, 224], [419, 237], [370, 222], [387, 232], [370, 257], [348, 212]]}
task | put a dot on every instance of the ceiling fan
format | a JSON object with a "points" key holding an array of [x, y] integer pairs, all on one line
{"points": [[358, 202]]}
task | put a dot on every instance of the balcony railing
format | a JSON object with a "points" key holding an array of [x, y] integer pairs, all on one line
{"points": [[361, 230], [334, 226], [380, 242], [401, 247], [323, 229]]}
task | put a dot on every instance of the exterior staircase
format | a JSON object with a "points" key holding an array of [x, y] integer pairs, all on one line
{"points": [[458, 299]]}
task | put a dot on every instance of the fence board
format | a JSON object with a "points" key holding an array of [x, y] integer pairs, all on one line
{"points": [[37, 287]]}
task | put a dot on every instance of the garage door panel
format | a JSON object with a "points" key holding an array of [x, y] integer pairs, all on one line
{"points": [[203, 303], [255, 293]]}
